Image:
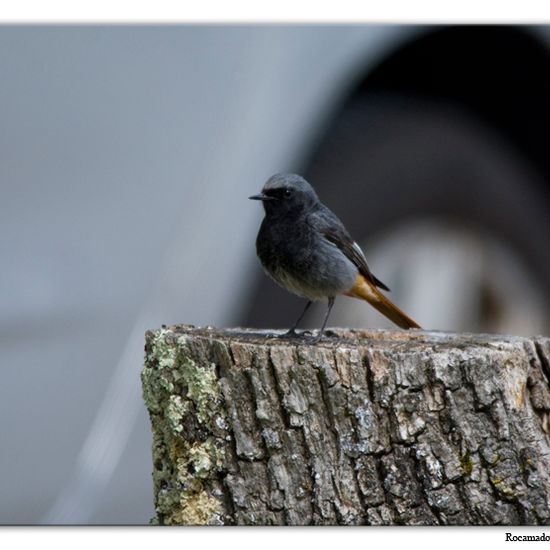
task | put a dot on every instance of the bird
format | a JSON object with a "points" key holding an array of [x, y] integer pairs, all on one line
{"points": [[305, 248]]}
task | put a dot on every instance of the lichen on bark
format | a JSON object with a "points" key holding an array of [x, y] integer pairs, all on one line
{"points": [[187, 415]]}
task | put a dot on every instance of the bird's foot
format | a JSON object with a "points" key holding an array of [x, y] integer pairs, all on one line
{"points": [[292, 333], [280, 336], [305, 335], [314, 339]]}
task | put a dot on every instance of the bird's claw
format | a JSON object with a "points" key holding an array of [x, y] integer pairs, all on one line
{"points": [[306, 335], [293, 333], [287, 334]]}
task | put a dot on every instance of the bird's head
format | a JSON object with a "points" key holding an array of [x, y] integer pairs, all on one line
{"points": [[286, 194]]}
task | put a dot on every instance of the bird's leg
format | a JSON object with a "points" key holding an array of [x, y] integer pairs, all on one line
{"points": [[318, 337], [292, 331]]}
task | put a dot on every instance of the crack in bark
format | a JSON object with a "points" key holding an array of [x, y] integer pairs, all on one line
{"points": [[544, 360]]}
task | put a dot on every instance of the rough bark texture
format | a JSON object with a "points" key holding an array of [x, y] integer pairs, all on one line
{"points": [[365, 427]]}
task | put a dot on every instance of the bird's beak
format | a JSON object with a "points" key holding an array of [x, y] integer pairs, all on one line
{"points": [[261, 197]]}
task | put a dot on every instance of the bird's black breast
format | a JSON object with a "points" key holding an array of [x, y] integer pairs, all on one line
{"points": [[283, 245]]}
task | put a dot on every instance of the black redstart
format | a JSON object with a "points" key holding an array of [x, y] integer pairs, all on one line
{"points": [[307, 250]]}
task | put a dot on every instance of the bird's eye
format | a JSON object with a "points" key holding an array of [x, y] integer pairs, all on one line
{"points": [[287, 193]]}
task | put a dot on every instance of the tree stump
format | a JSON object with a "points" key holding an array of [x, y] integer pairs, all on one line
{"points": [[362, 428]]}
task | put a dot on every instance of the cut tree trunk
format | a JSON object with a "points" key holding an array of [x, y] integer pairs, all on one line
{"points": [[364, 427]]}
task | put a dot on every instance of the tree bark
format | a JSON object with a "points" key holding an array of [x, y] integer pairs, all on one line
{"points": [[364, 427]]}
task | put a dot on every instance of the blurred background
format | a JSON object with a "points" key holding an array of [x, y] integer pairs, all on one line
{"points": [[126, 158]]}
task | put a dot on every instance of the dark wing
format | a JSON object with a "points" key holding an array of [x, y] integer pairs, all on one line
{"points": [[333, 230]]}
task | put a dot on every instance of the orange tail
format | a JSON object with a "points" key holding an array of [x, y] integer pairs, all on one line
{"points": [[367, 291]]}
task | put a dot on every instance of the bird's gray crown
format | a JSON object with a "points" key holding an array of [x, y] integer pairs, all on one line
{"points": [[292, 181]]}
